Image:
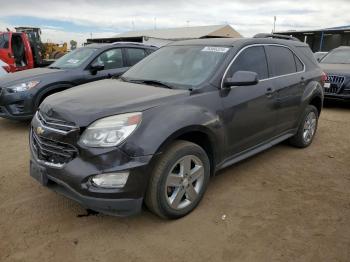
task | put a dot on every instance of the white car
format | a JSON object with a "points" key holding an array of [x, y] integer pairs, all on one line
{"points": [[2, 69]]}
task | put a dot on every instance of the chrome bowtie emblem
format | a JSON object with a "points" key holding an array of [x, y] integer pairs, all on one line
{"points": [[40, 131]]}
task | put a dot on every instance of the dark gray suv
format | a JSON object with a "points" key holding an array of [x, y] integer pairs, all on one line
{"points": [[22, 92], [156, 135]]}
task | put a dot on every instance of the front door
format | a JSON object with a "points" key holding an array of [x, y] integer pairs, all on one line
{"points": [[113, 62], [250, 111]]}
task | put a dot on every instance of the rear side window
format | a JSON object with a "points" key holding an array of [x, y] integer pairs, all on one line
{"points": [[135, 55], [4, 41], [281, 61], [299, 64], [251, 59]]}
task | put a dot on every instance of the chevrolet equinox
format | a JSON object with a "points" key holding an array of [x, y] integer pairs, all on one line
{"points": [[157, 134]]}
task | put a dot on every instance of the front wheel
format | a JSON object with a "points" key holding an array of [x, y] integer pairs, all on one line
{"points": [[307, 129], [178, 181]]}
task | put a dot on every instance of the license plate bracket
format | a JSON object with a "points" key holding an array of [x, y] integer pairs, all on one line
{"points": [[38, 173]]}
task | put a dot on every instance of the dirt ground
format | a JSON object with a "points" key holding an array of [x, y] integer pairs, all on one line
{"points": [[285, 204]]}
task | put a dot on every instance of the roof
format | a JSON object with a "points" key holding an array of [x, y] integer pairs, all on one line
{"points": [[103, 45], [184, 32], [236, 42]]}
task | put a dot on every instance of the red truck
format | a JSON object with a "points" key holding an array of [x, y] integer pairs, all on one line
{"points": [[22, 49], [15, 50]]}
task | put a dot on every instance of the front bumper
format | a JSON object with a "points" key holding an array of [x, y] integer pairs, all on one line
{"points": [[16, 106], [73, 178], [337, 96], [73, 181], [110, 206]]}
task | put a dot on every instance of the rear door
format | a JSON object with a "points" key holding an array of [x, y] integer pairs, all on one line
{"points": [[134, 55], [250, 111], [288, 73]]}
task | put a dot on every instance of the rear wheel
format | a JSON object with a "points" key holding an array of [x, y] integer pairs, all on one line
{"points": [[178, 181], [307, 129]]}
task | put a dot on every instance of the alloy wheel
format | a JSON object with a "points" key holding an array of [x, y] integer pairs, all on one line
{"points": [[184, 182], [309, 127]]}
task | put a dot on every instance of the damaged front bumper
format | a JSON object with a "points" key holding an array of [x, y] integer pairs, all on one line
{"points": [[73, 177]]}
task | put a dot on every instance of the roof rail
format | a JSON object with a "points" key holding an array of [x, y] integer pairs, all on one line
{"points": [[277, 36], [131, 43]]}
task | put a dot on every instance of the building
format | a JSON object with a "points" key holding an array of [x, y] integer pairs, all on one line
{"points": [[161, 37], [323, 39]]}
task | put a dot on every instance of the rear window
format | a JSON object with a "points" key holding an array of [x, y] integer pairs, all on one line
{"points": [[281, 61]]}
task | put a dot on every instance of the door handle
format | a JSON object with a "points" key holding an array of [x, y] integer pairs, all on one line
{"points": [[302, 81], [269, 92]]}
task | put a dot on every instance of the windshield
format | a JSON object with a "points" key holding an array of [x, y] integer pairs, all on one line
{"points": [[73, 59], [337, 57], [179, 66]]}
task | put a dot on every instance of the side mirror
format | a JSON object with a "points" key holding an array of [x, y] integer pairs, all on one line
{"points": [[242, 78], [94, 68]]}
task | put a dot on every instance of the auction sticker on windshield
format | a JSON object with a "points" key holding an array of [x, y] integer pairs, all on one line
{"points": [[215, 49], [73, 61]]}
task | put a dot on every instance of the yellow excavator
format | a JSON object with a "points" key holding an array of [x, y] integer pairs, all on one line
{"points": [[44, 51], [55, 51]]}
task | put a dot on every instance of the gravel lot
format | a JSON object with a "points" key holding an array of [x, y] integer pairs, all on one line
{"points": [[285, 204]]}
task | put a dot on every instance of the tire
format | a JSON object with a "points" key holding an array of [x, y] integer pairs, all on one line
{"points": [[174, 196], [303, 139]]}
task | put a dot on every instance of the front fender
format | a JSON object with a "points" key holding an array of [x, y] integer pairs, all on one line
{"points": [[160, 126], [50, 89]]}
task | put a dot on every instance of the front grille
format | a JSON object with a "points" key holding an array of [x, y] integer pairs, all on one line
{"points": [[336, 84], [52, 152], [56, 124]]}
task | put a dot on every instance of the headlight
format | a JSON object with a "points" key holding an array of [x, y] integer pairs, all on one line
{"points": [[110, 131], [23, 86]]}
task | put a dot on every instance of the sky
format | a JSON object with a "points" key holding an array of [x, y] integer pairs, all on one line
{"points": [[64, 20]]}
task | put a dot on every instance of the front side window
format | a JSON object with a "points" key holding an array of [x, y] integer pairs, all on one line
{"points": [[74, 59], [251, 59], [135, 55], [110, 59], [4, 41], [337, 57], [281, 60], [181, 66]]}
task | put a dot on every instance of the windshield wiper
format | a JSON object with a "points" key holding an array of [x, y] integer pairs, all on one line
{"points": [[54, 67], [153, 82], [147, 82]]}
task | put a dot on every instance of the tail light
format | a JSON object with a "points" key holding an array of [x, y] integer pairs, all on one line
{"points": [[324, 78]]}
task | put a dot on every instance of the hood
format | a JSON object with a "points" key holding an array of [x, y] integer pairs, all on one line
{"points": [[27, 75], [85, 104], [336, 69]]}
